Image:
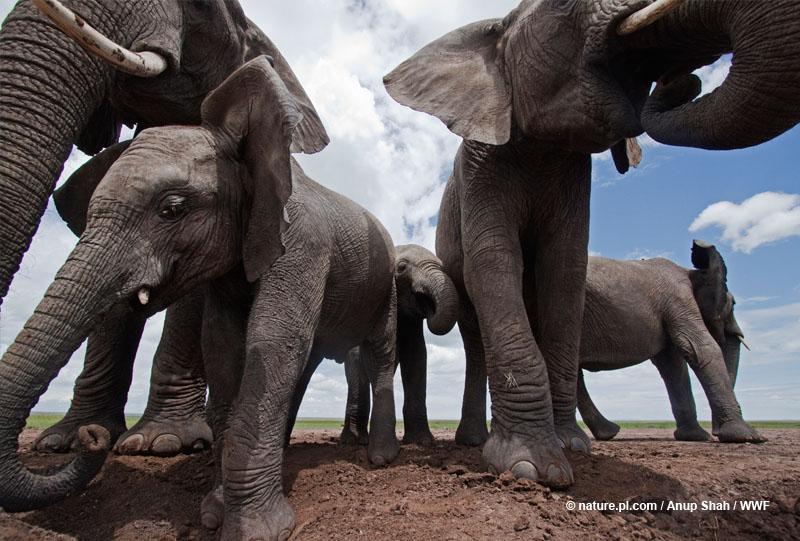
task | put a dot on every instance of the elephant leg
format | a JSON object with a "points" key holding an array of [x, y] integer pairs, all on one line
{"points": [[302, 385], [705, 358], [472, 429], [356, 418], [101, 390], [602, 429], [675, 373], [174, 420], [412, 356]]}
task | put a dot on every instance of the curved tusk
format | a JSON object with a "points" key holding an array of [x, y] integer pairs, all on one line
{"points": [[144, 296], [741, 339], [647, 16], [144, 64], [634, 152]]}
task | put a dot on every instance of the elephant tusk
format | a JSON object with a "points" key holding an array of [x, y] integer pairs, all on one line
{"points": [[647, 16], [741, 339], [144, 64], [144, 296], [634, 152]]}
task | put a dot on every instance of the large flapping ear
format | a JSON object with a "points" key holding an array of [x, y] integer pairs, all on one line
{"points": [[458, 79], [310, 135], [710, 284], [72, 198], [254, 108]]}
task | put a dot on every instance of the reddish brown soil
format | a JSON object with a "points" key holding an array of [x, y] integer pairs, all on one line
{"points": [[442, 493]]}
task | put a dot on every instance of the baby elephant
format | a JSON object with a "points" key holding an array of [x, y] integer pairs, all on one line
{"points": [[424, 291], [293, 272], [654, 309]]}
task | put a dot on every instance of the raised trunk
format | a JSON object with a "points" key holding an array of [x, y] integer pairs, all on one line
{"points": [[443, 292], [49, 90], [759, 99], [70, 308]]}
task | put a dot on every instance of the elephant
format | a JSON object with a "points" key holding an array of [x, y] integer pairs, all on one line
{"points": [[165, 58], [424, 292], [290, 270], [533, 95]]}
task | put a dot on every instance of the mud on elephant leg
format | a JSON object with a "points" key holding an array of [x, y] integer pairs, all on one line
{"points": [[675, 373], [602, 429], [356, 418], [101, 390], [472, 429], [412, 358], [174, 420]]}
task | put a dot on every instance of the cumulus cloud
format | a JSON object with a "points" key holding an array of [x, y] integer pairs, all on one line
{"points": [[765, 218]]}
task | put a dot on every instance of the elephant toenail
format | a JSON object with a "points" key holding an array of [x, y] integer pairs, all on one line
{"points": [[285, 534], [199, 445], [558, 476], [578, 444], [210, 520], [132, 444], [166, 444], [525, 470], [50, 443]]}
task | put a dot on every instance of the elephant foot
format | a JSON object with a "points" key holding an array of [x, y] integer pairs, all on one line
{"points": [[472, 433], [739, 432], [382, 450], [62, 437], [272, 524], [212, 509], [165, 437], [692, 433], [571, 437], [540, 459], [604, 431], [350, 438], [418, 435]]}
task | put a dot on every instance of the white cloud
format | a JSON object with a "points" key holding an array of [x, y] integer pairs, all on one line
{"points": [[762, 219]]}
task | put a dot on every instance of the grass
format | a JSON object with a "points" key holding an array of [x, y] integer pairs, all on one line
{"points": [[44, 420]]}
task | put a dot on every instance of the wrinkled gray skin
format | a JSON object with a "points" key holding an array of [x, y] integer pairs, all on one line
{"points": [[533, 95], [54, 95], [424, 292], [223, 205]]}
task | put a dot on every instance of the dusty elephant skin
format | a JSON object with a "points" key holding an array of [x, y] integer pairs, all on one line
{"points": [[424, 292], [57, 94], [224, 203], [533, 95]]}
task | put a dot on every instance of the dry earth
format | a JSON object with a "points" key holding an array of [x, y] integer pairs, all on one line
{"points": [[442, 493]]}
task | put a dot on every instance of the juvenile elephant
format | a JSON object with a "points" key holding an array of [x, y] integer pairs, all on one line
{"points": [[165, 58], [223, 205], [533, 95], [424, 292]]}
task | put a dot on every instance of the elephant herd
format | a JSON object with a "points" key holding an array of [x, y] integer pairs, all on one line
{"points": [[263, 272]]}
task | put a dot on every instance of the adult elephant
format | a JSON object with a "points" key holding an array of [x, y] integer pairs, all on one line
{"points": [[57, 92], [533, 95]]}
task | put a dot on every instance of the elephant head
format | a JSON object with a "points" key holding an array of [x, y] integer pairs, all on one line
{"points": [[559, 71], [424, 291], [180, 206], [167, 57], [710, 284]]}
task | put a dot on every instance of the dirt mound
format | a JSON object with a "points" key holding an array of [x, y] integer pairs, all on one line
{"points": [[442, 492]]}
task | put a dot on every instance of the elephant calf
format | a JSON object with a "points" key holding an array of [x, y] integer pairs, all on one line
{"points": [[222, 205], [654, 309]]}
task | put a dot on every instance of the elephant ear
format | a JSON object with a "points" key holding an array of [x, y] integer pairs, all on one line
{"points": [[72, 198], [310, 136], [710, 284], [255, 111], [458, 79]]}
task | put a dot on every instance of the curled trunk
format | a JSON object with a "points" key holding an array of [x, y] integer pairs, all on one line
{"points": [[441, 289], [62, 320], [758, 100]]}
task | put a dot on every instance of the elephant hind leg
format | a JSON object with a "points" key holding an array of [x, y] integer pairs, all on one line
{"points": [[602, 429], [412, 356], [299, 392], [472, 430], [356, 418], [675, 373]]}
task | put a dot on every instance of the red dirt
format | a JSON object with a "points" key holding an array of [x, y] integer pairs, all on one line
{"points": [[442, 493]]}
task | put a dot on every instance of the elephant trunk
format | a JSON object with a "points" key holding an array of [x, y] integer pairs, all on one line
{"points": [[73, 303], [731, 351], [441, 290], [50, 90], [757, 101]]}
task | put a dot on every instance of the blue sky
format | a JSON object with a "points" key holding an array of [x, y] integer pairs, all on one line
{"points": [[394, 162]]}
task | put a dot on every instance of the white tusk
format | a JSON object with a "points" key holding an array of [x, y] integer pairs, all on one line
{"points": [[144, 296], [647, 16], [144, 64], [634, 152], [741, 339]]}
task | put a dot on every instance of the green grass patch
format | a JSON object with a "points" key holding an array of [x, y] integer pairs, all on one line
{"points": [[45, 420]]}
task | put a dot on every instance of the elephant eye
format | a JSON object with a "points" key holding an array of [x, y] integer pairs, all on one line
{"points": [[401, 267], [172, 208]]}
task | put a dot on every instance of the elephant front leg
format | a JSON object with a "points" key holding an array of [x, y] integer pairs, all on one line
{"points": [[675, 373], [101, 390], [522, 437], [412, 358], [174, 420], [356, 417], [472, 429]]}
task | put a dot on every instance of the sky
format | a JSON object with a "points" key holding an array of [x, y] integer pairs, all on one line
{"points": [[395, 161]]}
